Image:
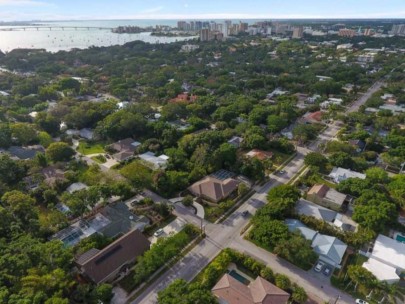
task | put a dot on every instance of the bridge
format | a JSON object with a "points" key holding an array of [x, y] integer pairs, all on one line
{"points": [[52, 28]]}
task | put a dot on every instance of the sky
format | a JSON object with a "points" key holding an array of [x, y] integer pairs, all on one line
{"points": [[16, 10]]}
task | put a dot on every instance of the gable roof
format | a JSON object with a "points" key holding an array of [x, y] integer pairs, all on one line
{"points": [[98, 266], [296, 225], [259, 291], [308, 208], [265, 292], [329, 246], [319, 190], [233, 291], [389, 251]]}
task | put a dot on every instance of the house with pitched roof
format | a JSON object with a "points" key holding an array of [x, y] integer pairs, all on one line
{"points": [[125, 149], [215, 187], [327, 197], [230, 291], [104, 265], [259, 154], [330, 249], [340, 174]]}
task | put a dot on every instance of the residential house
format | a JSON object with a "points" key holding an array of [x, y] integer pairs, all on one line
{"points": [[331, 217], [236, 141], [340, 174], [23, 153], [125, 149], [387, 260], [184, 97], [154, 162], [230, 291], [215, 187], [327, 197], [312, 117], [111, 221], [331, 101], [76, 187], [259, 154], [330, 249], [104, 265], [86, 133]]}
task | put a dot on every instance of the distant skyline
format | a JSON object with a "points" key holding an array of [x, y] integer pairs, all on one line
{"points": [[24, 10]]}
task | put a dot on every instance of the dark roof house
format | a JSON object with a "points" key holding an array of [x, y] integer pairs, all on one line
{"points": [[103, 265]]}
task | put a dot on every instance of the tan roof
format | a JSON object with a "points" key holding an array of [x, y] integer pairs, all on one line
{"points": [[213, 188], [266, 293], [319, 190], [232, 291], [259, 291], [99, 265]]}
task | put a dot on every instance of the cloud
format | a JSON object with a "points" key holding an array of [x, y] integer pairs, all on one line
{"points": [[22, 3], [151, 10]]}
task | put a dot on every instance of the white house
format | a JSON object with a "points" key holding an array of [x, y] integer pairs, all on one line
{"points": [[387, 259], [155, 162], [330, 249], [340, 174]]}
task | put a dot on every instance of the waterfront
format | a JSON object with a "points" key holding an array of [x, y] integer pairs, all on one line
{"points": [[57, 39]]}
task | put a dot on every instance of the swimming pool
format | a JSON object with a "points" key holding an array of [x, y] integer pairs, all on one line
{"points": [[400, 238], [239, 277]]}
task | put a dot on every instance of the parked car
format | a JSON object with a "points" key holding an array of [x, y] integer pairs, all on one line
{"points": [[359, 301], [245, 213], [108, 156], [318, 267], [327, 270], [158, 232], [282, 171]]}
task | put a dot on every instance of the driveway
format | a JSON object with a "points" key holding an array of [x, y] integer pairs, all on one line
{"points": [[170, 229]]}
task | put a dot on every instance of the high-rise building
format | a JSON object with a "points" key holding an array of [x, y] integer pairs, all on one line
{"points": [[198, 25], [298, 32], [347, 32], [398, 30], [243, 26], [205, 35], [181, 25]]}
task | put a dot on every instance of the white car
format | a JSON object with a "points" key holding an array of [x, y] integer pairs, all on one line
{"points": [[158, 232], [359, 301], [318, 267]]}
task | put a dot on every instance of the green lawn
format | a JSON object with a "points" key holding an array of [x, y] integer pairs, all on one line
{"points": [[86, 148], [99, 159]]}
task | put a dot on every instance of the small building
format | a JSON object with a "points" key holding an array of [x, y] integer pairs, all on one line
{"points": [[215, 187], [327, 197], [76, 187], [259, 154], [340, 174], [230, 291], [331, 101], [104, 265], [154, 162], [184, 97], [387, 260], [236, 141]]}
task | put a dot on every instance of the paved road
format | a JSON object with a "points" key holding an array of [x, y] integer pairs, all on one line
{"points": [[227, 234]]}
